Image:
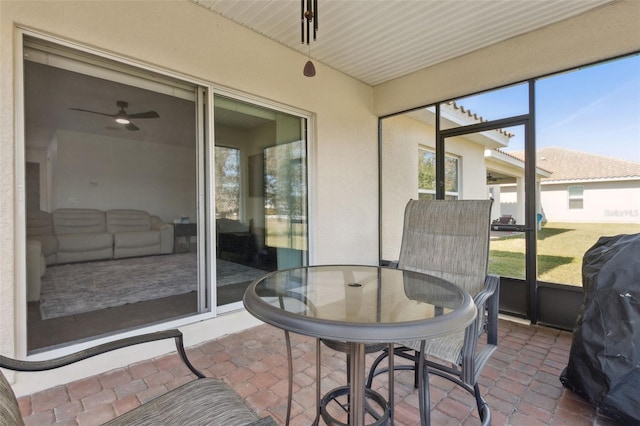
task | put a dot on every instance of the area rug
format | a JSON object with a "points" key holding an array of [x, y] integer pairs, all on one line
{"points": [[83, 287]]}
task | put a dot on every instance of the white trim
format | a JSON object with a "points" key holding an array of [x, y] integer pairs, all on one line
{"points": [[20, 253], [459, 179], [231, 307], [205, 257], [211, 201], [593, 180]]}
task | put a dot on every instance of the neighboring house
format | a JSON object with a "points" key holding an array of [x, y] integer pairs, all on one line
{"points": [[506, 183], [584, 187]]}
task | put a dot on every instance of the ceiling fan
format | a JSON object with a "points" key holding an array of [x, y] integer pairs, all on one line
{"points": [[122, 117], [491, 178]]}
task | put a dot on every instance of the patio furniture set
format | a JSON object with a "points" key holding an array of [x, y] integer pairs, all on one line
{"points": [[433, 303]]}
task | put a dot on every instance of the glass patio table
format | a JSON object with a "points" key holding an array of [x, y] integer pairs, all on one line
{"points": [[358, 305]]}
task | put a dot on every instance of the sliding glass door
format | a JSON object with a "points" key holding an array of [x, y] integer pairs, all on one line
{"points": [[261, 194], [115, 165]]}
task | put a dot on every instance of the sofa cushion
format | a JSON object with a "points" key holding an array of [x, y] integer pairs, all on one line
{"points": [[136, 239], [200, 402], [121, 220], [84, 242], [78, 221], [134, 244]]}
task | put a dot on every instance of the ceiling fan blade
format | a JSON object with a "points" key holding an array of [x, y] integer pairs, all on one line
{"points": [[92, 112], [131, 126], [148, 114]]}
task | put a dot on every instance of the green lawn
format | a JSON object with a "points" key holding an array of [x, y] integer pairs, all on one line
{"points": [[561, 247]]}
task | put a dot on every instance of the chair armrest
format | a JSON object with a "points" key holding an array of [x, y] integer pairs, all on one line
{"points": [[490, 297], [491, 284], [20, 365]]}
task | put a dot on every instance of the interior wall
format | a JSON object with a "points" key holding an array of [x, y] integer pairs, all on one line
{"points": [[600, 34], [101, 172], [40, 157], [250, 142]]}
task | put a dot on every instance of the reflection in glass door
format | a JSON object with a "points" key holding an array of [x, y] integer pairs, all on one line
{"points": [[261, 194], [286, 203], [112, 218]]}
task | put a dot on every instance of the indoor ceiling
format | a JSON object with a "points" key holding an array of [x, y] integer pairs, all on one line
{"points": [[52, 92], [378, 40]]}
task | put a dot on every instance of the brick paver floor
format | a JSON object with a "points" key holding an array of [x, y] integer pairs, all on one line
{"points": [[520, 382]]}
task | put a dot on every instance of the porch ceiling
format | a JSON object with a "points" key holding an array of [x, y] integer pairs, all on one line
{"points": [[378, 40]]}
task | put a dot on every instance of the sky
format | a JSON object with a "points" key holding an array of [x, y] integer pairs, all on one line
{"points": [[594, 109]]}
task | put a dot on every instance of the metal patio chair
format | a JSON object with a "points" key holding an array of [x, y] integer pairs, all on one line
{"points": [[450, 239], [203, 401]]}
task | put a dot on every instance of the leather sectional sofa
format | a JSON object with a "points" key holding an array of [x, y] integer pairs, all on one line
{"points": [[79, 235]]}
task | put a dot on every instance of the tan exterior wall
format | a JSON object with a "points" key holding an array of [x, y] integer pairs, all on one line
{"points": [[603, 202], [401, 138]]}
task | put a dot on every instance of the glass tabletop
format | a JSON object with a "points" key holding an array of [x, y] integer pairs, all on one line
{"points": [[359, 303]]}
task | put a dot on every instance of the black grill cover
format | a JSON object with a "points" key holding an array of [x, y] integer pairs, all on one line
{"points": [[604, 362]]}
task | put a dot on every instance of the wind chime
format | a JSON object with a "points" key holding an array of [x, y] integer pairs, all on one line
{"points": [[308, 16]]}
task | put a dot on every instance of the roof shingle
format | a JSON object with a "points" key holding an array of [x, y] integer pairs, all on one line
{"points": [[567, 164]]}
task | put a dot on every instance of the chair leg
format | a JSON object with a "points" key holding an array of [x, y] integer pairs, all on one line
{"points": [[423, 388], [392, 390], [290, 367], [416, 370], [374, 367], [483, 407], [316, 421]]}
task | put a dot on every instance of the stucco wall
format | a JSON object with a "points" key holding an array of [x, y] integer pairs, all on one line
{"points": [[401, 138], [603, 202]]}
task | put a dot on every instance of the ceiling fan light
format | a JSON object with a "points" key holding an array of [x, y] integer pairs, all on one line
{"points": [[309, 69], [122, 120]]}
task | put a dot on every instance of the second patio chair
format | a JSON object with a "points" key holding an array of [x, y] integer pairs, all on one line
{"points": [[450, 239]]}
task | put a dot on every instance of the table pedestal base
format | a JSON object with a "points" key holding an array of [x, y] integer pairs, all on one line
{"points": [[339, 399]]}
